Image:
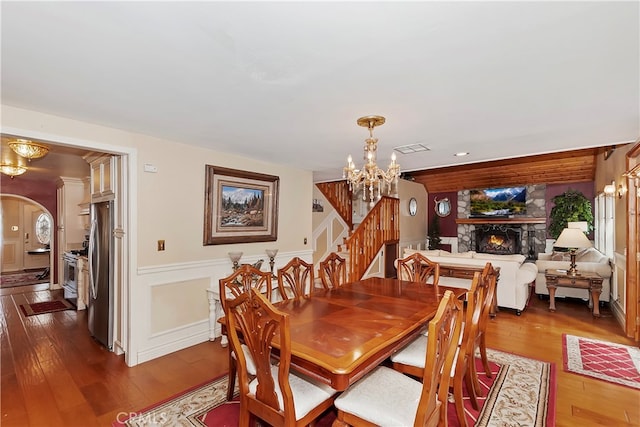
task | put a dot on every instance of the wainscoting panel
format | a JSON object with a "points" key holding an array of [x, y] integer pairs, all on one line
{"points": [[175, 309], [619, 287]]}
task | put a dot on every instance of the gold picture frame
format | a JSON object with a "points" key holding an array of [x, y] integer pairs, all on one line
{"points": [[239, 206]]}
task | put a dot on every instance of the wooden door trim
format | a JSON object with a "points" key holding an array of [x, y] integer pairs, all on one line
{"points": [[632, 318]]}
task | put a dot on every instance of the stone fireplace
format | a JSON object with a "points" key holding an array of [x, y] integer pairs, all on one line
{"points": [[498, 239], [524, 235]]}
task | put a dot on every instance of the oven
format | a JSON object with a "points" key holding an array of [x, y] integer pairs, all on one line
{"points": [[71, 272]]}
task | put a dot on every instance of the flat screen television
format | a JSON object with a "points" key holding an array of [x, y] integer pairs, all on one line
{"points": [[499, 202]]}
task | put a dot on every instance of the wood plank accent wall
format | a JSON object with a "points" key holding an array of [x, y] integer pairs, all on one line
{"points": [[554, 168]]}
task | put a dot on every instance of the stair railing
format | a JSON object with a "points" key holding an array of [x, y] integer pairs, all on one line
{"points": [[381, 226]]}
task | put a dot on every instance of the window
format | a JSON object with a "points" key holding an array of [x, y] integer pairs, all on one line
{"points": [[43, 229], [604, 226]]}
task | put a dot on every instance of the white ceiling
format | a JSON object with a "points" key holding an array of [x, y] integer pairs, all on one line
{"points": [[286, 81]]}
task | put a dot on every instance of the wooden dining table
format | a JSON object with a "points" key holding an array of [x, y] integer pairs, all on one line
{"points": [[339, 335]]}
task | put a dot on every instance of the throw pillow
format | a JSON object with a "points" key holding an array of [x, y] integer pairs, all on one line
{"points": [[457, 255], [560, 256], [427, 253], [508, 257], [590, 255]]}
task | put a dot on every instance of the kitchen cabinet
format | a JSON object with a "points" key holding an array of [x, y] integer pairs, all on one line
{"points": [[71, 227], [103, 178]]}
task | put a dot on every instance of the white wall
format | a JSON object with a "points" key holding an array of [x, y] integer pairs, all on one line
{"points": [[164, 294]]}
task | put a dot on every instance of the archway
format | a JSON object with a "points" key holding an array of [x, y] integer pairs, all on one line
{"points": [[27, 249]]}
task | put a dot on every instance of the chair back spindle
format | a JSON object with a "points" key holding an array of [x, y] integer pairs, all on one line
{"points": [[418, 268], [333, 271], [295, 279]]}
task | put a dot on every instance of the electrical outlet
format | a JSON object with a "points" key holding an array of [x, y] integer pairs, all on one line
{"points": [[160, 245]]}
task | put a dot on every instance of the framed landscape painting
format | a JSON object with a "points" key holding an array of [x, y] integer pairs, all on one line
{"points": [[240, 206]]}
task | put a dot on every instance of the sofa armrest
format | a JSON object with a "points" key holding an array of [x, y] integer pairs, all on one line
{"points": [[526, 273]]}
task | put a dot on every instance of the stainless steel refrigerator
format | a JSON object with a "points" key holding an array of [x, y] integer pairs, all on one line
{"points": [[101, 289]]}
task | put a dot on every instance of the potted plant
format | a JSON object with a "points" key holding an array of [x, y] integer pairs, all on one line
{"points": [[569, 206], [434, 233]]}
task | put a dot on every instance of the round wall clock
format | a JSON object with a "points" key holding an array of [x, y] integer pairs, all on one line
{"points": [[413, 206]]}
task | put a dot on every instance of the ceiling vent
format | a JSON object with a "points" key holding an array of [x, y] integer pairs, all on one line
{"points": [[412, 148]]}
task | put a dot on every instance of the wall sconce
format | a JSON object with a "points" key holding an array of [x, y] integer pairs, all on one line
{"points": [[610, 189], [633, 174], [622, 190]]}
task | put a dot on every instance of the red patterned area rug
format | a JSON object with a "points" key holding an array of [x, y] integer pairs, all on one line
{"points": [[616, 363], [520, 392], [45, 307], [11, 280]]}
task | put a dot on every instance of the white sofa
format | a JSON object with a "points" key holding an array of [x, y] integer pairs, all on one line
{"points": [[587, 260], [514, 283]]}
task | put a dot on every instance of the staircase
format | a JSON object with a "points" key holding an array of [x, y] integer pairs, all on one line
{"points": [[379, 228]]}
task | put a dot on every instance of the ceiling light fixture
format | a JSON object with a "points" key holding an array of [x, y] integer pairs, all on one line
{"points": [[12, 170], [461, 154], [29, 149], [371, 178]]}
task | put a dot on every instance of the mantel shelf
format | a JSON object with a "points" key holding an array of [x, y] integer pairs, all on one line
{"points": [[501, 221]]}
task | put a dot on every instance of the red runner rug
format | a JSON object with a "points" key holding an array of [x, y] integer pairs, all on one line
{"points": [[520, 392], [606, 361], [11, 280], [45, 307]]}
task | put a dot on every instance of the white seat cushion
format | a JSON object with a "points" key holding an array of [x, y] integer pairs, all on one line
{"points": [[383, 397], [251, 366], [414, 354], [307, 394]]}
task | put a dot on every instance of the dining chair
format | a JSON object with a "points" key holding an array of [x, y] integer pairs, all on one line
{"points": [[246, 277], [295, 279], [411, 359], [418, 268], [389, 398], [333, 271], [275, 395], [488, 280]]}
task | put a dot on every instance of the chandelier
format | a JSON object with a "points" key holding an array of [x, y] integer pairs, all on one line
{"points": [[12, 170], [373, 180], [29, 149]]}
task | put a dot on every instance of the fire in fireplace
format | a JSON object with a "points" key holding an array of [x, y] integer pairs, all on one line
{"points": [[498, 239]]}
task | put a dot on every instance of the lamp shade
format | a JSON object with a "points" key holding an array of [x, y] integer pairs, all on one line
{"points": [[572, 238]]}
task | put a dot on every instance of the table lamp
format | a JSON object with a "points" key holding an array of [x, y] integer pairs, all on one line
{"points": [[572, 238], [235, 257], [271, 253]]}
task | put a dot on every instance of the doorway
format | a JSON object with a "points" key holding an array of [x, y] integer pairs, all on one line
{"points": [[27, 237]]}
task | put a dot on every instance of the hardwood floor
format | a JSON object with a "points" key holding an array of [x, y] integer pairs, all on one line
{"points": [[54, 374]]}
